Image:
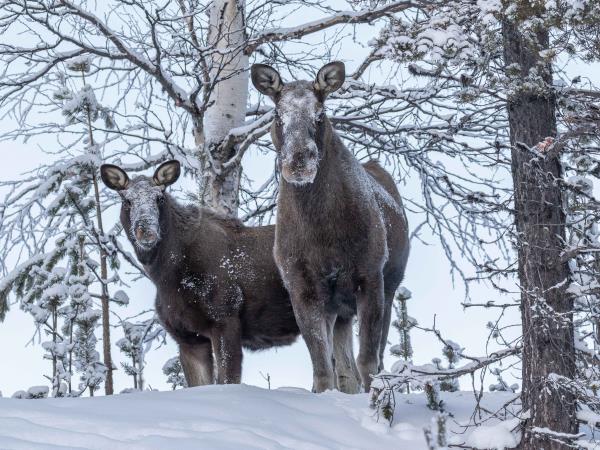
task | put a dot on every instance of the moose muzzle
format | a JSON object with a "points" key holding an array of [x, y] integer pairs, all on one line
{"points": [[300, 162], [146, 234]]}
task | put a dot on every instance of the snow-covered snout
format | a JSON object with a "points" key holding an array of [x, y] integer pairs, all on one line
{"points": [[142, 199], [299, 114]]}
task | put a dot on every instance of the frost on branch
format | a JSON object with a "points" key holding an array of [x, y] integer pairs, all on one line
{"points": [[77, 105], [429, 378]]}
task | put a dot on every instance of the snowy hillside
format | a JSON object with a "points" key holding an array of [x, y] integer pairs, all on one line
{"points": [[229, 417]]}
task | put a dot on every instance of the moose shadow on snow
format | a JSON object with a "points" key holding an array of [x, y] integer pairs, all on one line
{"points": [[218, 287], [341, 241]]}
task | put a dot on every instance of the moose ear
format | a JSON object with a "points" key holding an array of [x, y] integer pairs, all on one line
{"points": [[266, 79], [114, 177], [167, 173], [330, 78]]}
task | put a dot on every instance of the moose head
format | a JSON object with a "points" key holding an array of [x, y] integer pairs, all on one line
{"points": [[142, 201], [298, 126]]}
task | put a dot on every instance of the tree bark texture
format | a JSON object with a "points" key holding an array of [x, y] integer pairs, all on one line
{"points": [[227, 104], [546, 309]]}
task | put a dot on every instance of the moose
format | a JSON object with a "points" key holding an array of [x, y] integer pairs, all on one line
{"points": [[218, 288], [341, 239]]}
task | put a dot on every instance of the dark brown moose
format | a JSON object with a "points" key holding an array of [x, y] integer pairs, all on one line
{"points": [[218, 288], [341, 242]]}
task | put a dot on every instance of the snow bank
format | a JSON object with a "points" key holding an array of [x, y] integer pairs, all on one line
{"points": [[221, 418], [499, 436]]}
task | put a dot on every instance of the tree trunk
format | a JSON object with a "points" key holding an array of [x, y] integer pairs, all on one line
{"points": [[108, 383], [55, 384], [546, 310], [227, 108], [107, 357], [134, 367]]}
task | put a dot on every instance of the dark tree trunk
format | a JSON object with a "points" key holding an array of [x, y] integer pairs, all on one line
{"points": [[548, 346], [108, 383]]}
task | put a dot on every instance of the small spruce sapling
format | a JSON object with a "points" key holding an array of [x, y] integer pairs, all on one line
{"points": [[432, 393], [403, 324], [451, 352], [137, 340], [436, 434], [174, 373], [383, 391]]}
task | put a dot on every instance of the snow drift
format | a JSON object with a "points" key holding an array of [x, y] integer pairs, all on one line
{"points": [[230, 417]]}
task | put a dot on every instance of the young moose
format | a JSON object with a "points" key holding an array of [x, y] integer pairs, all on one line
{"points": [[218, 288], [341, 242]]}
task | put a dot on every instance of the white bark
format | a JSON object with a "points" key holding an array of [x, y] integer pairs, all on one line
{"points": [[227, 110]]}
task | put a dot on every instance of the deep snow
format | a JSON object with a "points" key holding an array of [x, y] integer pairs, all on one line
{"points": [[232, 417]]}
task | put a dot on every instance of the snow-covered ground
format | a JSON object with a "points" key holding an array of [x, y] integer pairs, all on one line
{"points": [[231, 417]]}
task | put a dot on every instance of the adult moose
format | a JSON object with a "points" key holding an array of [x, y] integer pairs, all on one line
{"points": [[341, 242], [218, 287]]}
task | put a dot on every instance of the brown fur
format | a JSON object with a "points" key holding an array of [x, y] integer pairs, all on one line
{"points": [[341, 242], [218, 288]]}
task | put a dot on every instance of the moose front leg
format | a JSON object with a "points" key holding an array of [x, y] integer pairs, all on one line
{"points": [[227, 348], [370, 306], [317, 331], [197, 362]]}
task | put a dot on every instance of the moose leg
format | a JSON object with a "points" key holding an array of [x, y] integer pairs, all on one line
{"points": [[197, 363], [316, 331], [227, 347], [370, 306], [385, 326], [345, 366]]}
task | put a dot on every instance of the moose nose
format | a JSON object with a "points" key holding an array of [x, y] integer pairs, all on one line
{"points": [[298, 161], [145, 236]]}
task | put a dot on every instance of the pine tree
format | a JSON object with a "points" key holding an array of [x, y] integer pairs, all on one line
{"points": [[82, 323], [403, 324], [71, 254], [81, 107]]}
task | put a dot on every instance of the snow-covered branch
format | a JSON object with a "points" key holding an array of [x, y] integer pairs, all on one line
{"points": [[341, 18]]}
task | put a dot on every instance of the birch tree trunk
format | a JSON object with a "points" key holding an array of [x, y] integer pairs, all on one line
{"points": [[227, 110], [546, 310]]}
